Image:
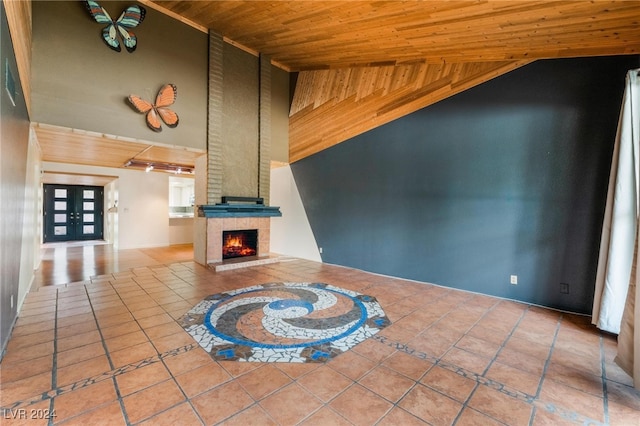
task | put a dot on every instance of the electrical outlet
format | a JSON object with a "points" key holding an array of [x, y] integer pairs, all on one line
{"points": [[564, 288], [12, 301], [320, 250], [514, 279]]}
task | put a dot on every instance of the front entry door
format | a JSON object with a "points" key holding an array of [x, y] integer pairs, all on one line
{"points": [[73, 212]]}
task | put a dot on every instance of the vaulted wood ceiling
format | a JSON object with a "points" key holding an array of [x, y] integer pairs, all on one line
{"points": [[364, 63], [307, 35]]}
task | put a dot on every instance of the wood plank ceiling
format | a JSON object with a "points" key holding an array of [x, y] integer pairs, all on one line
{"points": [[64, 145], [305, 35], [364, 63]]}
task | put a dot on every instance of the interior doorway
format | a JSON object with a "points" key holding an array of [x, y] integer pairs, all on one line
{"points": [[73, 213]]}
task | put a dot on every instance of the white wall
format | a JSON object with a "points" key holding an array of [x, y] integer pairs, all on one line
{"points": [[181, 230], [32, 222], [142, 219], [291, 234], [111, 213]]}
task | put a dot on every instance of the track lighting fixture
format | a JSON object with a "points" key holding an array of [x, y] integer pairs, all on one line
{"points": [[148, 166]]}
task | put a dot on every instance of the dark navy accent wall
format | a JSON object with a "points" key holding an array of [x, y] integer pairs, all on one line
{"points": [[14, 143], [507, 178]]}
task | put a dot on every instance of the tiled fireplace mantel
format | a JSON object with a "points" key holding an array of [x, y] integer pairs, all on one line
{"points": [[238, 210]]}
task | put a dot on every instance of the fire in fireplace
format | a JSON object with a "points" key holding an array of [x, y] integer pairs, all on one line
{"points": [[239, 243]]}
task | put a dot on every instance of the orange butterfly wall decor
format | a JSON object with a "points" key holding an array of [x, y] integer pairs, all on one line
{"points": [[160, 109]]}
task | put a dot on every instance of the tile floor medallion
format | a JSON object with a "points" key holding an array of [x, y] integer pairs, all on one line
{"points": [[283, 322]]}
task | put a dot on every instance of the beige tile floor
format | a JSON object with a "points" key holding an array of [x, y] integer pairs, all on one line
{"points": [[108, 350]]}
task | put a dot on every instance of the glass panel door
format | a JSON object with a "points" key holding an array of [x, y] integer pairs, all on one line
{"points": [[62, 213], [73, 212], [89, 213]]}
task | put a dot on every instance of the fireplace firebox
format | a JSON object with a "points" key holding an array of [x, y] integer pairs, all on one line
{"points": [[239, 243]]}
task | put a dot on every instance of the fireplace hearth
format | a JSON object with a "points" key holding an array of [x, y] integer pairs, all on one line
{"points": [[239, 243], [237, 214]]}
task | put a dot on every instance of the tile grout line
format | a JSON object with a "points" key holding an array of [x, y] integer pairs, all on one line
{"points": [[357, 381], [187, 398], [548, 360], [108, 355], [545, 367], [99, 378], [394, 404], [569, 415], [495, 356], [605, 395], [444, 365], [500, 387], [552, 407], [160, 357], [54, 364], [120, 398], [277, 278]]}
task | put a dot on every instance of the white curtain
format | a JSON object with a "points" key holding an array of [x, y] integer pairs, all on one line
{"points": [[628, 357], [616, 279]]}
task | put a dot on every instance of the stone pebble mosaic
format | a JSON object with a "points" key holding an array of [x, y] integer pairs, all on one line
{"points": [[283, 322]]}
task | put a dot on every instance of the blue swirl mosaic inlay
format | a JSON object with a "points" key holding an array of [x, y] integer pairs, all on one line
{"points": [[290, 303], [284, 322]]}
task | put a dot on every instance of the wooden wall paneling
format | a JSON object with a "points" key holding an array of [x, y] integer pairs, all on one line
{"points": [[19, 20], [331, 106]]}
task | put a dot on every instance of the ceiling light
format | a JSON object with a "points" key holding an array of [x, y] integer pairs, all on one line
{"points": [[147, 166]]}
